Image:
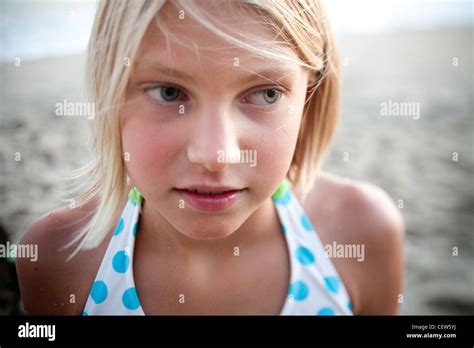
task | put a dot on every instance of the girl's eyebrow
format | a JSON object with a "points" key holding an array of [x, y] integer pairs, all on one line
{"points": [[272, 74], [147, 66]]}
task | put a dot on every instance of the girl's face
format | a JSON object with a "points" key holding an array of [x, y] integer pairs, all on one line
{"points": [[194, 103]]}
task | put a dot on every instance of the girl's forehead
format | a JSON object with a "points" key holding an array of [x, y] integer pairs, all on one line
{"points": [[218, 11], [175, 38]]}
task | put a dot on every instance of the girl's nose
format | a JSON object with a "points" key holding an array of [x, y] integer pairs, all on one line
{"points": [[213, 140]]}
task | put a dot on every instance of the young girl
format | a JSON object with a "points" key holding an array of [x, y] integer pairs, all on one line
{"points": [[205, 197]]}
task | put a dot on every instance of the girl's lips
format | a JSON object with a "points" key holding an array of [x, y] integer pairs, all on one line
{"points": [[210, 202]]}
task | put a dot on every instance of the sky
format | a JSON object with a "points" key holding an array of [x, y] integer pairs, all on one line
{"points": [[32, 29]]}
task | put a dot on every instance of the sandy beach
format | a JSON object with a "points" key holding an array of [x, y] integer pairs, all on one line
{"points": [[420, 152]]}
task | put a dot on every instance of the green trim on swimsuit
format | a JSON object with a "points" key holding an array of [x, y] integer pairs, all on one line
{"points": [[282, 189], [135, 196]]}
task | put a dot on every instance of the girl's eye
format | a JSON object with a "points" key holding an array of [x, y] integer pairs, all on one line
{"points": [[264, 97], [168, 94], [164, 94]]}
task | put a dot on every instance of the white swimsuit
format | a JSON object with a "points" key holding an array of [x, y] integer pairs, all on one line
{"points": [[315, 287]]}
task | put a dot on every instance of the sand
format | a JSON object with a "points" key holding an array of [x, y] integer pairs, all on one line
{"points": [[411, 157]]}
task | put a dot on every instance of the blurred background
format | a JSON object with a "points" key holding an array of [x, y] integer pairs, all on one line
{"points": [[407, 126]]}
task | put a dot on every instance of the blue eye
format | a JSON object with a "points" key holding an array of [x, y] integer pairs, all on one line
{"points": [[265, 97], [164, 93]]}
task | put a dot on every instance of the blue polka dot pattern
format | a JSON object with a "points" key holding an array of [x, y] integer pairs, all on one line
{"points": [[130, 299], [121, 261], [349, 305], [298, 290], [84, 313], [332, 283], [119, 227], [304, 255], [283, 228], [99, 291], [306, 223], [326, 311]]}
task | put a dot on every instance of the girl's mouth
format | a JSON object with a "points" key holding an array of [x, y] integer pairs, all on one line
{"points": [[210, 200]]}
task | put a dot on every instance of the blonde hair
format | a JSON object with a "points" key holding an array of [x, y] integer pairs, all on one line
{"points": [[118, 30]]}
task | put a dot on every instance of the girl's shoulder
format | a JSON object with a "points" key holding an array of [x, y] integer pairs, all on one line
{"points": [[354, 200], [51, 284], [354, 213]]}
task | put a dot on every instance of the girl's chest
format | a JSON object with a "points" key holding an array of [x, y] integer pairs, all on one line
{"points": [[252, 282]]}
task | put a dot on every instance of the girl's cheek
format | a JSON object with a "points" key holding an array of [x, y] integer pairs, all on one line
{"points": [[149, 147], [274, 154]]}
